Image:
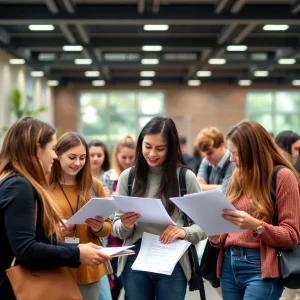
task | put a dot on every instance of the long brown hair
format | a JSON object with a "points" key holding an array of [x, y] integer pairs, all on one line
{"points": [[126, 142], [258, 156], [19, 156], [84, 177]]}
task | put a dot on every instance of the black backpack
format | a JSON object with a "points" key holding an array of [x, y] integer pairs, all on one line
{"points": [[196, 281]]}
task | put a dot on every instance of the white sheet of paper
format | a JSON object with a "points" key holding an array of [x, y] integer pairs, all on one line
{"points": [[103, 207], [156, 257], [118, 251], [150, 209], [205, 209]]}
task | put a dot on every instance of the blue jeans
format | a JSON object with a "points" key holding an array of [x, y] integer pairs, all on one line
{"points": [[148, 286], [105, 293], [241, 276]]}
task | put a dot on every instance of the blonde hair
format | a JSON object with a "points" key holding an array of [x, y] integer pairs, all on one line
{"points": [[208, 138], [19, 156], [127, 141], [258, 156]]}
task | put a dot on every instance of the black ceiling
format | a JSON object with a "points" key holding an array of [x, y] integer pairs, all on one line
{"points": [[112, 34]]}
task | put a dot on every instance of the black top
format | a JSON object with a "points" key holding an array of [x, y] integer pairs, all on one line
{"points": [[20, 238]]}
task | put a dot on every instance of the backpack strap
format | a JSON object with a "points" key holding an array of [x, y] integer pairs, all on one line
{"points": [[182, 181], [130, 180], [225, 167], [273, 194], [94, 189]]}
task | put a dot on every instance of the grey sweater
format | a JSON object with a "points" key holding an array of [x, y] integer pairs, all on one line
{"points": [[194, 232]]}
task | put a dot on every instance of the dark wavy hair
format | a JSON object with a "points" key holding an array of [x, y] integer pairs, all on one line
{"points": [[106, 162], [285, 139], [169, 185]]}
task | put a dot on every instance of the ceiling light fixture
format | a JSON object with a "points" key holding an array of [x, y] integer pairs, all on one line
{"points": [[261, 73], [152, 48], [296, 82], [161, 27], [36, 73], [217, 61], [237, 48], [91, 73], [17, 61], [41, 27], [147, 73], [276, 27], [204, 73], [98, 82], [287, 61], [72, 48], [150, 61], [52, 82], [245, 82], [83, 61], [194, 82], [146, 82]]}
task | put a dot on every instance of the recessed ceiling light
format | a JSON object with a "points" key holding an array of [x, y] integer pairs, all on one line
{"points": [[276, 27], [287, 61], [72, 48], [36, 73], [41, 27], [245, 82], [17, 61], [98, 82], [261, 73], [147, 73], [237, 48], [146, 82], [204, 73], [296, 82], [83, 61], [217, 61], [161, 27], [194, 82], [150, 61], [47, 56], [152, 48], [91, 73], [53, 82]]}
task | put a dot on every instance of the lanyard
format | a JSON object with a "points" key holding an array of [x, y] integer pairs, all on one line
{"points": [[70, 204]]}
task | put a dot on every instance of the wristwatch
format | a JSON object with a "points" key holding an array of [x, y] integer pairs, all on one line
{"points": [[259, 229]]}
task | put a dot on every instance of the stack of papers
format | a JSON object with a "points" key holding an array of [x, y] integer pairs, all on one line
{"points": [[117, 251], [159, 258], [206, 209]]}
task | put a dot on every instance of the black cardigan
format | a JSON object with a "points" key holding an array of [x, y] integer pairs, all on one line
{"points": [[20, 238]]}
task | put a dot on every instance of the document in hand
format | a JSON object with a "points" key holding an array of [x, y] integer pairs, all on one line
{"points": [[156, 257], [150, 209], [103, 207], [118, 251], [205, 209]]}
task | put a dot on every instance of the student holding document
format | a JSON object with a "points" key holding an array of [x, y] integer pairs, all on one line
{"points": [[72, 186], [248, 262], [158, 160], [30, 219]]}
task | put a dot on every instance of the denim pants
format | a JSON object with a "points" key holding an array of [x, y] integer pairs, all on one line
{"points": [[241, 276], [141, 285], [105, 293]]}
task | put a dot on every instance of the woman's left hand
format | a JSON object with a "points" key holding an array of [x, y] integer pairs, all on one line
{"points": [[241, 219], [171, 233], [95, 224]]}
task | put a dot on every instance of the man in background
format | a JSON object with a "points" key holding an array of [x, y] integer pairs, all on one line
{"points": [[189, 160]]}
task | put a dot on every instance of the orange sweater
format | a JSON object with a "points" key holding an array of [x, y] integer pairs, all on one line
{"points": [[84, 274], [286, 235]]}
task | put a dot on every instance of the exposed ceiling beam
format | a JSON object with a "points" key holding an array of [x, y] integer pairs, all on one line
{"points": [[244, 33], [226, 32], [295, 7], [220, 6], [220, 53], [237, 6], [4, 36], [141, 6], [205, 54], [83, 33], [52, 6], [69, 6], [67, 33], [155, 6]]}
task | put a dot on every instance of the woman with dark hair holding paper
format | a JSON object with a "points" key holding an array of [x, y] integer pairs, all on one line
{"points": [[158, 161]]}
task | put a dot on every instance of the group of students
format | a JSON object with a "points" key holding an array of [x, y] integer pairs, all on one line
{"points": [[56, 178]]}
